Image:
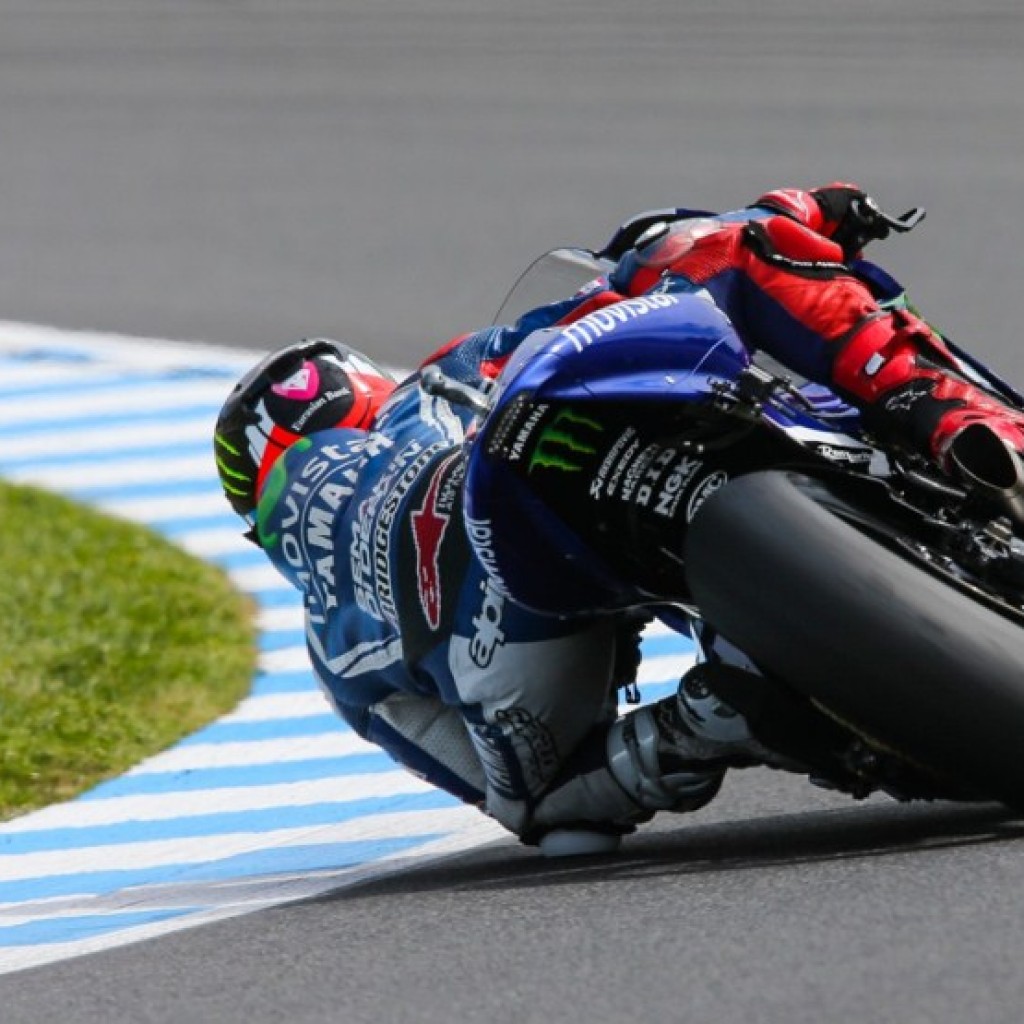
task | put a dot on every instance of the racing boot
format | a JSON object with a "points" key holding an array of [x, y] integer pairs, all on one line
{"points": [[909, 384], [668, 756], [673, 755]]}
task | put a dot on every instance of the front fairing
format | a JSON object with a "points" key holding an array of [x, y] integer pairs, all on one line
{"points": [[657, 347], [649, 359]]}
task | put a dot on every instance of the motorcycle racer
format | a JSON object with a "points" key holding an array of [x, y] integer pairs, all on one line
{"points": [[414, 646], [352, 486]]}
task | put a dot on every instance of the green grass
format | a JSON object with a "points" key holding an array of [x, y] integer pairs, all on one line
{"points": [[113, 644]]}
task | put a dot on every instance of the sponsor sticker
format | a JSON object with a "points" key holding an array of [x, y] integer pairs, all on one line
{"points": [[514, 427], [716, 481], [518, 752], [429, 525], [851, 456], [672, 487], [595, 325], [566, 442], [488, 635], [314, 407], [371, 546], [481, 536], [606, 479]]}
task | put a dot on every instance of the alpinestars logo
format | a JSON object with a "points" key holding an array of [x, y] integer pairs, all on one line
{"points": [[564, 443], [428, 529], [905, 398]]}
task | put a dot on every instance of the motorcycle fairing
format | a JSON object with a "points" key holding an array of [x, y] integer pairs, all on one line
{"points": [[606, 412]]}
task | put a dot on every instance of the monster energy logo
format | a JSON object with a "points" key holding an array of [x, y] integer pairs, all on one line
{"points": [[562, 444]]}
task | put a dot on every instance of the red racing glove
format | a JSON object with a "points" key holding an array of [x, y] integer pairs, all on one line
{"points": [[840, 211]]}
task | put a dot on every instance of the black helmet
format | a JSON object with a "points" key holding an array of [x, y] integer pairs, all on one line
{"points": [[313, 385]]}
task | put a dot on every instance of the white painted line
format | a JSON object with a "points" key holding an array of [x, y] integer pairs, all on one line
{"points": [[208, 849], [467, 828], [221, 540], [283, 619], [117, 401], [86, 814], [47, 373], [125, 350], [10, 918], [95, 440], [183, 891], [175, 507], [280, 706], [113, 473], [259, 577], [196, 756], [664, 668], [287, 659]]}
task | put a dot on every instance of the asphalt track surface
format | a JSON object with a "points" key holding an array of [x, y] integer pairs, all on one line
{"points": [[245, 172]]}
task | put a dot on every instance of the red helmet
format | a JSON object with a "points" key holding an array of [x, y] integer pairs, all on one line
{"points": [[313, 385]]}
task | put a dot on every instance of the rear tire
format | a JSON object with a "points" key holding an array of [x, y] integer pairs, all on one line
{"points": [[885, 646]]}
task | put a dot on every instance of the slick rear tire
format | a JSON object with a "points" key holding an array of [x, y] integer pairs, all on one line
{"points": [[882, 644]]}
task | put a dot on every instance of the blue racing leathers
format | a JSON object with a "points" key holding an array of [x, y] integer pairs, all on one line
{"points": [[415, 646]]}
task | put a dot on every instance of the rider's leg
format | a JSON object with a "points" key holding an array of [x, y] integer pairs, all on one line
{"points": [[671, 755], [906, 379], [791, 292], [668, 756]]}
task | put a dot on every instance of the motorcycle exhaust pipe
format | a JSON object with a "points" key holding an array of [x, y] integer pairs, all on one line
{"points": [[991, 468]]}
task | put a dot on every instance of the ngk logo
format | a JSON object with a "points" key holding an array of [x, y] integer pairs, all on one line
{"points": [[489, 635]]}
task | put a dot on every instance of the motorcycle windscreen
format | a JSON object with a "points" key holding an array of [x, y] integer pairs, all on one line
{"points": [[550, 278]]}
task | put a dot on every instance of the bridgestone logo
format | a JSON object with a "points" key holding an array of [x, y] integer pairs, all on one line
{"points": [[586, 331]]}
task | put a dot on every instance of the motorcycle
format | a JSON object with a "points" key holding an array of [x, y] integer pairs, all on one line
{"points": [[644, 458]]}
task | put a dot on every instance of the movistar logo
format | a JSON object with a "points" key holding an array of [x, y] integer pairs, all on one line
{"points": [[274, 487], [563, 443]]}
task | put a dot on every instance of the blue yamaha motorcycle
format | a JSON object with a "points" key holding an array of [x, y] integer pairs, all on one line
{"points": [[644, 458]]}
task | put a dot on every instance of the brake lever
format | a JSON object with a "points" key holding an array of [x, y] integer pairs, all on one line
{"points": [[873, 217], [907, 221], [435, 381]]}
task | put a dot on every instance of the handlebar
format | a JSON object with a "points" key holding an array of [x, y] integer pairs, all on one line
{"points": [[436, 382]]}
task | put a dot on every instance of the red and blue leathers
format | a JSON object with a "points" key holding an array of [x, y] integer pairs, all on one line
{"points": [[421, 651]]}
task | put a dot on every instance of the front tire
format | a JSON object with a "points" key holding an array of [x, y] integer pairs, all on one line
{"points": [[885, 646]]}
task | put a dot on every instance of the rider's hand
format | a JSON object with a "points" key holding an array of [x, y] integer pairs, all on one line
{"points": [[841, 212], [848, 216]]}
